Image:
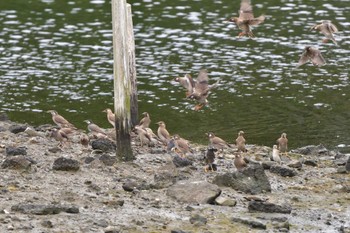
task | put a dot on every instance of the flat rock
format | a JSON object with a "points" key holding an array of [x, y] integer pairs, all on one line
{"points": [[165, 178], [199, 192], [295, 164], [66, 164], [311, 150], [267, 164], [283, 170], [198, 220], [17, 128], [250, 222], [11, 151], [269, 207], [104, 145], [181, 162], [251, 180], [133, 184], [311, 162], [108, 160], [39, 209], [224, 201], [18, 162]]}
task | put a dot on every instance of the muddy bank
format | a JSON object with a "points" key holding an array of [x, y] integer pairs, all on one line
{"points": [[73, 188]]}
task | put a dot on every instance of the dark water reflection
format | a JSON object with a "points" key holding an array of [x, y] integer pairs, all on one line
{"points": [[57, 54]]}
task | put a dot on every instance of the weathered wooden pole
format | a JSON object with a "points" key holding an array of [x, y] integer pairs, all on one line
{"points": [[122, 81]]}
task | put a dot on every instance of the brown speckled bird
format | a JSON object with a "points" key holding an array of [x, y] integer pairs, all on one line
{"points": [[312, 54], [60, 120], [327, 29], [201, 89], [187, 82], [216, 142], [240, 142], [94, 129], [84, 140], [283, 143], [145, 121], [163, 133], [246, 19], [210, 159], [182, 145], [59, 136], [110, 116], [144, 136], [239, 162]]}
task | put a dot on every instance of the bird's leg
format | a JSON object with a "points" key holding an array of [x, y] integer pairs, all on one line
{"points": [[211, 166], [250, 34], [241, 34], [198, 107], [205, 169]]}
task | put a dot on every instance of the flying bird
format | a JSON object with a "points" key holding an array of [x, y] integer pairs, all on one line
{"points": [[327, 29], [201, 88], [187, 82], [312, 54], [246, 19]]}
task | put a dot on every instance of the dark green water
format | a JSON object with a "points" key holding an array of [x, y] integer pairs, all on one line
{"points": [[57, 54]]}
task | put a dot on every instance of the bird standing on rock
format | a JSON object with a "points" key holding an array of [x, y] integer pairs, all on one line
{"points": [[182, 145], [239, 162], [95, 129], [110, 116], [163, 133], [283, 143], [246, 19], [210, 159], [201, 88], [312, 54], [217, 142], [327, 29], [275, 154], [144, 136], [60, 120], [240, 142], [145, 121], [59, 136]]}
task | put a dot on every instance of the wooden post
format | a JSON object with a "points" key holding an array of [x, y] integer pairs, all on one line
{"points": [[132, 68], [122, 82]]}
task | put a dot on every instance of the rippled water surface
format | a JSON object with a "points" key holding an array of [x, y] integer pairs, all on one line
{"points": [[57, 54]]}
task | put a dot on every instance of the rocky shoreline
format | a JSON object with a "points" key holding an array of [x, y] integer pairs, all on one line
{"points": [[47, 188]]}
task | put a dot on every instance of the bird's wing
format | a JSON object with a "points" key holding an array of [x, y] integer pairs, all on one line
{"points": [[61, 120], [257, 21], [333, 28], [317, 58], [190, 83], [303, 59], [246, 10], [202, 82]]}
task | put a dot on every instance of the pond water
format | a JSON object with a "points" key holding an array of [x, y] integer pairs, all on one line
{"points": [[57, 54]]}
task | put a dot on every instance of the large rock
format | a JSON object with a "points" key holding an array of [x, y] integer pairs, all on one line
{"points": [[250, 222], [40, 209], [283, 170], [104, 145], [311, 150], [195, 192], [269, 207], [181, 162], [108, 160], [17, 162], [250, 180], [66, 164], [11, 151], [165, 176], [17, 128]]}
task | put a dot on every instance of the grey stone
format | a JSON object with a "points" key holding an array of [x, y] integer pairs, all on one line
{"points": [[269, 207], [283, 170], [47, 224], [181, 162], [310, 162], [17, 162], [66, 164], [179, 231], [311, 150], [224, 201], [267, 164], [295, 164], [11, 151], [250, 222], [341, 170], [40, 209], [164, 179], [104, 145], [17, 128], [347, 165], [199, 192], [133, 184], [88, 159], [108, 160], [198, 220], [251, 180]]}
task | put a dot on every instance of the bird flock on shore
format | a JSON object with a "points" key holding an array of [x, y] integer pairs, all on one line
{"points": [[198, 89]]}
